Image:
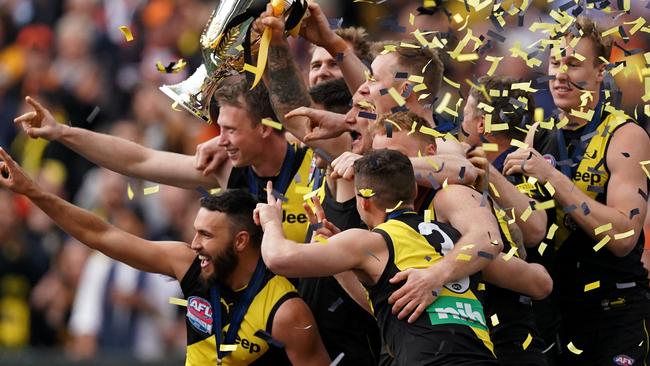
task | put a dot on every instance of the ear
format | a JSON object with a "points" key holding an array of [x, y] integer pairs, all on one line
{"points": [[241, 241], [266, 130], [601, 72], [480, 125], [431, 149], [403, 88]]}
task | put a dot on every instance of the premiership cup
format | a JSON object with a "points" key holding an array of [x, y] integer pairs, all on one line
{"points": [[227, 43]]}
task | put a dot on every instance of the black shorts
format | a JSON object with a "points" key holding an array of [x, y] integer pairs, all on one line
{"points": [[616, 337]]}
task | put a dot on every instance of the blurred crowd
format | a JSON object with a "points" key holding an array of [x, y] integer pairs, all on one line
{"points": [[72, 56]]}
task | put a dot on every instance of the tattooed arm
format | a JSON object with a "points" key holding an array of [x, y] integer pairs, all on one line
{"points": [[288, 91]]}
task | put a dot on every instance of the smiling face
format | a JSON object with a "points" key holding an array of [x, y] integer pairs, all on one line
{"points": [[214, 244], [240, 136], [569, 71], [323, 67]]}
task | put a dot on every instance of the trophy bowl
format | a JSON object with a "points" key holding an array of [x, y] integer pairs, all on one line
{"points": [[227, 43]]}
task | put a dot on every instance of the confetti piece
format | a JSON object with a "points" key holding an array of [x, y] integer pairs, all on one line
{"points": [[463, 257], [592, 286], [495, 320], [541, 248], [129, 192], [490, 147], [494, 190], [526, 214], [172, 68], [91, 117], [127, 33], [585, 208], [214, 191], [485, 255], [526, 343], [603, 228], [545, 205], [602, 243], [510, 254], [427, 215], [452, 83], [495, 63], [549, 187], [177, 301], [624, 235], [309, 195], [573, 348], [551, 231], [272, 123], [335, 305], [338, 359], [481, 287], [366, 192], [519, 144], [228, 347], [389, 210], [368, 115], [396, 96]]}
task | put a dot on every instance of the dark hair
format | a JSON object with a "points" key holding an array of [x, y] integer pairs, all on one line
{"points": [[233, 89], [238, 205], [333, 94], [507, 109], [389, 174]]}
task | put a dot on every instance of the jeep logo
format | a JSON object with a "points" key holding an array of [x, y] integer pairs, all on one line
{"points": [[292, 218], [592, 178], [248, 345]]}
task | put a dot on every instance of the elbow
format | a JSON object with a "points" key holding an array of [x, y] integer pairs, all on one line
{"points": [[534, 235], [623, 247], [543, 286], [276, 262]]}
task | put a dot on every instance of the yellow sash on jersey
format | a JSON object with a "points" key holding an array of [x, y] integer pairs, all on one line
{"points": [[588, 181]]}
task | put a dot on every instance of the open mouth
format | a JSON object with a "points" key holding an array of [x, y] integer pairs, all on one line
{"points": [[205, 260], [356, 136]]}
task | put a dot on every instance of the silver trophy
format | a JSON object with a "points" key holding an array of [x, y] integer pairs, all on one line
{"points": [[229, 28]]}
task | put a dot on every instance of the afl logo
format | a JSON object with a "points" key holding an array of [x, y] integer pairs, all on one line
{"points": [[458, 287], [624, 360], [199, 313], [550, 159]]}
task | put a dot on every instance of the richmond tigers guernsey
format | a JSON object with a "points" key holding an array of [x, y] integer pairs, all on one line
{"points": [[453, 330], [256, 327]]}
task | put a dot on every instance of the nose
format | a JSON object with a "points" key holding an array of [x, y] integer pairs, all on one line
{"points": [[195, 244], [223, 140], [364, 89], [351, 116], [323, 73]]}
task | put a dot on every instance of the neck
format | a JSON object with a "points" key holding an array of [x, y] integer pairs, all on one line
{"points": [[379, 216], [576, 122], [241, 276], [503, 145], [417, 108], [270, 161]]}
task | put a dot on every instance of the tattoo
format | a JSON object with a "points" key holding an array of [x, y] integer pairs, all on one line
{"points": [[287, 89]]}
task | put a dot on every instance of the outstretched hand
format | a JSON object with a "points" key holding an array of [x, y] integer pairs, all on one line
{"points": [[12, 175], [322, 124], [316, 216], [266, 213], [39, 122]]}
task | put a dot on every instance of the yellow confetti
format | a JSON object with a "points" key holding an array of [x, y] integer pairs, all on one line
{"points": [[416, 79], [602, 243], [495, 63], [624, 235], [151, 190], [467, 57], [127, 33], [526, 343], [526, 214], [510, 254], [389, 210], [396, 96], [603, 228], [519, 144], [490, 147], [551, 231], [453, 84], [214, 191], [309, 195], [411, 19], [541, 248], [366, 192], [573, 348], [592, 286], [427, 215], [481, 287], [545, 205], [443, 103], [272, 123], [228, 347], [644, 168], [468, 246], [463, 257], [129, 192], [494, 190], [458, 18], [177, 301], [445, 184], [549, 187], [495, 320]]}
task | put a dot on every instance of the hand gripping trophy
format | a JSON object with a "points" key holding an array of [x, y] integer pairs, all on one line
{"points": [[228, 44]]}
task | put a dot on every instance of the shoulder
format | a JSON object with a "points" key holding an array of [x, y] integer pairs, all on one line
{"points": [[292, 315], [629, 145]]}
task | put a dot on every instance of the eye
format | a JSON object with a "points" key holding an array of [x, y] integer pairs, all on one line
{"points": [[315, 66]]}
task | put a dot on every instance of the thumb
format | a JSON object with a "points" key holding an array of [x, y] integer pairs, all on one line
{"points": [[400, 276]]}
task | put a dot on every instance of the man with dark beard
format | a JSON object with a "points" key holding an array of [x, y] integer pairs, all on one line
{"points": [[256, 313]]}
